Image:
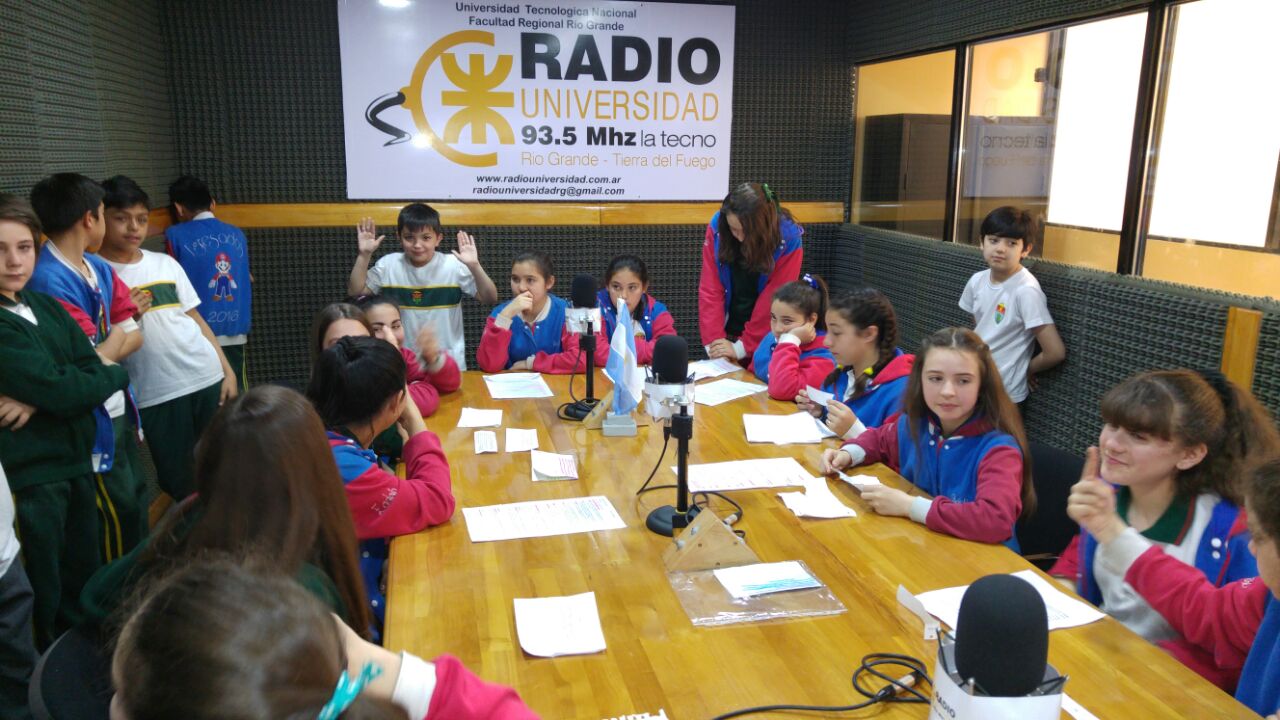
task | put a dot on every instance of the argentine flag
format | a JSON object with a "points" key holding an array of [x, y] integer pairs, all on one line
{"points": [[628, 379]]}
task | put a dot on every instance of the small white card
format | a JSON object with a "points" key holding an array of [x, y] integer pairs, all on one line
{"points": [[486, 441], [747, 581], [817, 501], [520, 439], [552, 466], [859, 481], [554, 626], [476, 418], [821, 397]]}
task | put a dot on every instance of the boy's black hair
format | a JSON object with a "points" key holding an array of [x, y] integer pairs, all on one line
{"points": [[61, 200], [123, 193], [1008, 221], [416, 216], [191, 193]]}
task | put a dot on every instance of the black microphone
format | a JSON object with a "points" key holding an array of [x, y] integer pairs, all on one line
{"points": [[582, 294], [1002, 636], [671, 359]]}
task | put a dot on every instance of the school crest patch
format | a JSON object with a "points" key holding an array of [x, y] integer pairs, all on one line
{"points": [[1000, 312]]}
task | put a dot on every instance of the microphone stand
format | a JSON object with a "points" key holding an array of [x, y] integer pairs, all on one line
{"points": [[666, 519], [582, 408]]}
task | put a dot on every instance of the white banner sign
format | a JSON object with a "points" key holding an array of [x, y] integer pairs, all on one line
{"points": [[541, 100]]}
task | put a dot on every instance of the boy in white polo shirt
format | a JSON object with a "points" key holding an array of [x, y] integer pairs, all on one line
{"points": [[1010, 311], [427, 285], [180, 376]]}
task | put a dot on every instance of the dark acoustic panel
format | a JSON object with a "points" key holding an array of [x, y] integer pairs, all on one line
{"points": [[298, 271], [1266, 373]]}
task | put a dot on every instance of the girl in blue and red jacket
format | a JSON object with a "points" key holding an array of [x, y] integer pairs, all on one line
{"points": [[1172, 447], [752, 248], [959, 439], [431, 372], [628, 278], [1234, 629], [794, 356], [871, 372], [529, 331], [358, 387]]}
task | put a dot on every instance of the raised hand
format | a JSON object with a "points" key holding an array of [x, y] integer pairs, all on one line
{"points": [[1092, 502], [428, 345], [466, 251], [367, 238]]}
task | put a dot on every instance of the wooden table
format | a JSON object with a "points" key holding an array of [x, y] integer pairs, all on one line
{"points": [[449, 595]]}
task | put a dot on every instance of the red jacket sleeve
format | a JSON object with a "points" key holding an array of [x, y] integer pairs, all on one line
{"points": [[491, 354], [990, 517], [1223, 621], [710, 294], [568, 360], [785, 270], [1068, 563], [880, 443], [122, 306], [664, 324], [460, 695], [788, 374], [83, 321], [383, 505], [425, 388]]}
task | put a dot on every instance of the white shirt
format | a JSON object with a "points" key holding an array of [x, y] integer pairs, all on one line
{"points": [[1006, 314], [23, 311], [176, 359], [441, 274], [8, 538], [115, 403], [1112, 561]]}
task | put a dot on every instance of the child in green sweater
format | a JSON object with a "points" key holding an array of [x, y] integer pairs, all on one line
{"points": [[51, 383]]}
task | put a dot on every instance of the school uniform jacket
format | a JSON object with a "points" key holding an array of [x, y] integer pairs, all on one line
{"points": [[445, 689], [656, 321], [426, 387], [882, 396], [548, 341], [788, 367], [714, 285], [974, 475], [51, 366], [1237, 626]]}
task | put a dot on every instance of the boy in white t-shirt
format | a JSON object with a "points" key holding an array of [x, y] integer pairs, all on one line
{"points": [[180, 376], [1009, 309], [428, 286]]}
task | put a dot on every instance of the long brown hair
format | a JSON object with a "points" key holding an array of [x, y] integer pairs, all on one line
{"points": [[327, 316], [756, 207], [1191, 408], [993, 402], [217, 640], [267, 486], [867, 308]]}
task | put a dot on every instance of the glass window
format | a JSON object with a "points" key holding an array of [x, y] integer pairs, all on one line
{"points": [[1213, 199], [902, 133], [1048, 128]]}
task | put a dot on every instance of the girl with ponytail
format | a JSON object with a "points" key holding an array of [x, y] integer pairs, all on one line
{"points": [[871, 373], [1172, 448]]}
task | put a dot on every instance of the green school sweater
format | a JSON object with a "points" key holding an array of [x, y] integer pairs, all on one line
{"points": [[52, 366]]}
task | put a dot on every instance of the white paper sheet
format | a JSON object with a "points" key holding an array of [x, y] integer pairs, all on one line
{"points": [[796, 428], [1064, 611], [722, 391], [747, 581], [486, 441], [552, 466], [702, 369], [859, 481], [821, 397], [521, 439], [511, 386], [477, 417], [541, 518], [817, 501], [746, 474], [1075, 709], [554, 626], [912, 603]]}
